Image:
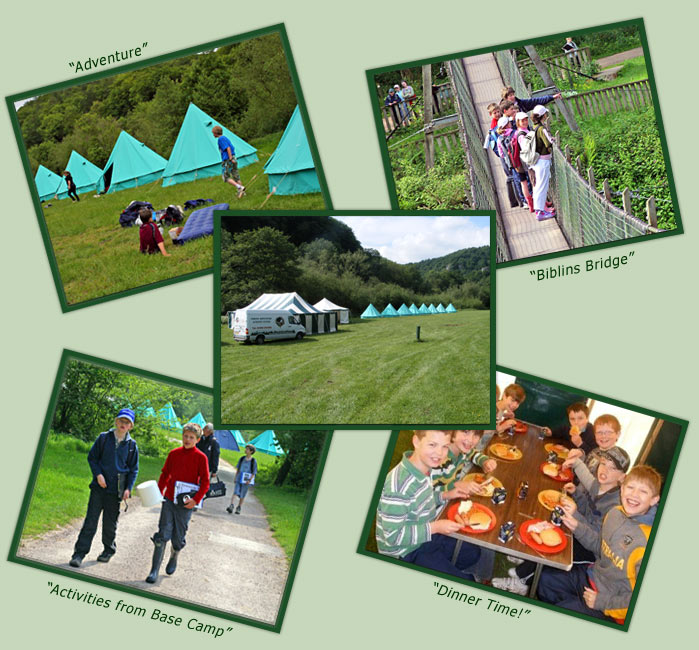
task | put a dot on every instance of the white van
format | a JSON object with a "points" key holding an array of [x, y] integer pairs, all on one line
{"points": [[260, 325]]}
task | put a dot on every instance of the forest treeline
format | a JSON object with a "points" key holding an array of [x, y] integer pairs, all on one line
{"points": [[318, 259], [245, 86]]}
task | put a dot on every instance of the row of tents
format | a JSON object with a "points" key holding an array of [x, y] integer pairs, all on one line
{"points": [[403, 310], [321, 318], [195, 155], [266, 442]]}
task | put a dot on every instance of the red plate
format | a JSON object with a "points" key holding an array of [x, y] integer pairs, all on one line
{"points": [[454, 507], [521, 427], [564, 476], [542, 548]]}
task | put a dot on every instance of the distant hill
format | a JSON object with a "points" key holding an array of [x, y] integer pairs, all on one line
{"points": [[463, 261]]}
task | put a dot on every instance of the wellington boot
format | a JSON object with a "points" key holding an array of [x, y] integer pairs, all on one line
{"points": [[158, 553], [171, 565]]}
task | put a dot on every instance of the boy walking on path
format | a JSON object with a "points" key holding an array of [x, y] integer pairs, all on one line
{"points": [[186, 464], [113, 459], [229, 166], [245, 472]]}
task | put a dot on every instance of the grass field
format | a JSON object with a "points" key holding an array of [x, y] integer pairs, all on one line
{"points": [[369, 372], [96, 257], [62, 488]]}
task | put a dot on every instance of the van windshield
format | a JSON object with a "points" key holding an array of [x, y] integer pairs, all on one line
{"points": [[293, 321]]}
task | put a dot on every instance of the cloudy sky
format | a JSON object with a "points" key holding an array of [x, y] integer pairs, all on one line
{"points": [[413, 239]]}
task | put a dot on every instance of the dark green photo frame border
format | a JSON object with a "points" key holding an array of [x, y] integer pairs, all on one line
{"points": [[366, 530], [342, 213], [637, 22], [11, 99], [66, 357]]}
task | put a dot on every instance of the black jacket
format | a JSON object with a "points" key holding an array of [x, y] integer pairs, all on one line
{"points": [[209, 445]]}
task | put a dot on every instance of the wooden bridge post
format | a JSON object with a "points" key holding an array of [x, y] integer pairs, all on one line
{"points": [[626, 200], [429, 137], [651, 214], [607, 191]]}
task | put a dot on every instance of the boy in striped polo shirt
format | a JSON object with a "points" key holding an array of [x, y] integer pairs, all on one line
{"points": [[405, 519], [461, 457]]}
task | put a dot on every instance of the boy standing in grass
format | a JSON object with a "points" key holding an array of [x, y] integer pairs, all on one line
{"points": [[229, 166], [604, 589], [149, 234], [245, 472], [186, 464], [113, 459], [405, 520]]}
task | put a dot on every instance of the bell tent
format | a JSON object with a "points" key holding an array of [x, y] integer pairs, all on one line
{"points": [[390, 310], [227, 440], [440, 308], [85, 175], [196, 153], [267, 443], [403, 310], [451, 309], [131, 164], [327, 305], [314, 320], [432, 309], [414, 310], [370, 312], [423, 309], [47, 183], [291, 169], [198, 419], [168, 419]]}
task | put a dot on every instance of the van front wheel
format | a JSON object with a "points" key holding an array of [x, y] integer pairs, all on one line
{"points": [[259, 340], [299, 336]]}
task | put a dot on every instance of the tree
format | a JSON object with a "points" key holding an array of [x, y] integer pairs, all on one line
{"points": [[303, 450], [257, 261]]}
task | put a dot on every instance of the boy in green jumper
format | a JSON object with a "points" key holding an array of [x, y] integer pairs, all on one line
{"points": [[461, 457], [405, 519]]}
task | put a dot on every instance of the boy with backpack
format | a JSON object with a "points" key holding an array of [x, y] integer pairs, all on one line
{"points": [[113, 460]]}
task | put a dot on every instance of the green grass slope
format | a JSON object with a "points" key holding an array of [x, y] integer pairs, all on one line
{"points": [[96, 257], [370, 372]]}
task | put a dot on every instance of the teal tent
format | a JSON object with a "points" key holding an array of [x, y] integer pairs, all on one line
{"points": [[414, 310], [168, 419], [267, 443], [198, 419], [149, 412], [403, 310], [196, 154], [450, 309], [423, 309], [227, 440], [432, 309], [85, 175], [370, 312], [47, 183], [131, 164], [389, 311], [291, 169], [238, 438], [440, 308]]}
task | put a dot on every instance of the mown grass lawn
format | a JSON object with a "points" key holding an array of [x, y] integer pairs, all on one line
{"points": [[370, 372], [62, 488], [96, 257]]}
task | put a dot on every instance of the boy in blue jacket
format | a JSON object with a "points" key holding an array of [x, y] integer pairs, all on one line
{"points": [[113, 459]]}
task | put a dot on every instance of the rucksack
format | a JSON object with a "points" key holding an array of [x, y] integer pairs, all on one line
{"points": [[527, 150]]}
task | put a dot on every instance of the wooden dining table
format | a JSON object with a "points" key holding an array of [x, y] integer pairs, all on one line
{"points": [[511, 473]]}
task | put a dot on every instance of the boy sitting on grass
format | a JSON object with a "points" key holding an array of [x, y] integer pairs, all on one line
{"points": [[604, 589], [185, 464], [607, 431], [149, 233], [581, 433], [405, 519]]}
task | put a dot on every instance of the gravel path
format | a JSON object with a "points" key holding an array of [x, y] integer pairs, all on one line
{"points": [[231, 562], [619, 57]]}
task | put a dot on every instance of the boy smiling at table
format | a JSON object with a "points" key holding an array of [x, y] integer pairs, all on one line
{"points": [[607, 432], [581, 433], [461, 456], [604, 589], [405, 519]]}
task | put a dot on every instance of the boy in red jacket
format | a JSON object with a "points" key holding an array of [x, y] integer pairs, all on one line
{"points": [[186, 464]]}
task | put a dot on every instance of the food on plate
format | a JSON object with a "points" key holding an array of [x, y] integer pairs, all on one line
{"points": [[544, 532], [550, 537], [521, 427], [549, 498], [508, 452], [561, 450], [461, 515], [487, 485], [550, 469], [465, 506], [479, 520]]}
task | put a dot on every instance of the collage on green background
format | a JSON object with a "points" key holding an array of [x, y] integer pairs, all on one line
{"points": [[413, 371]]}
